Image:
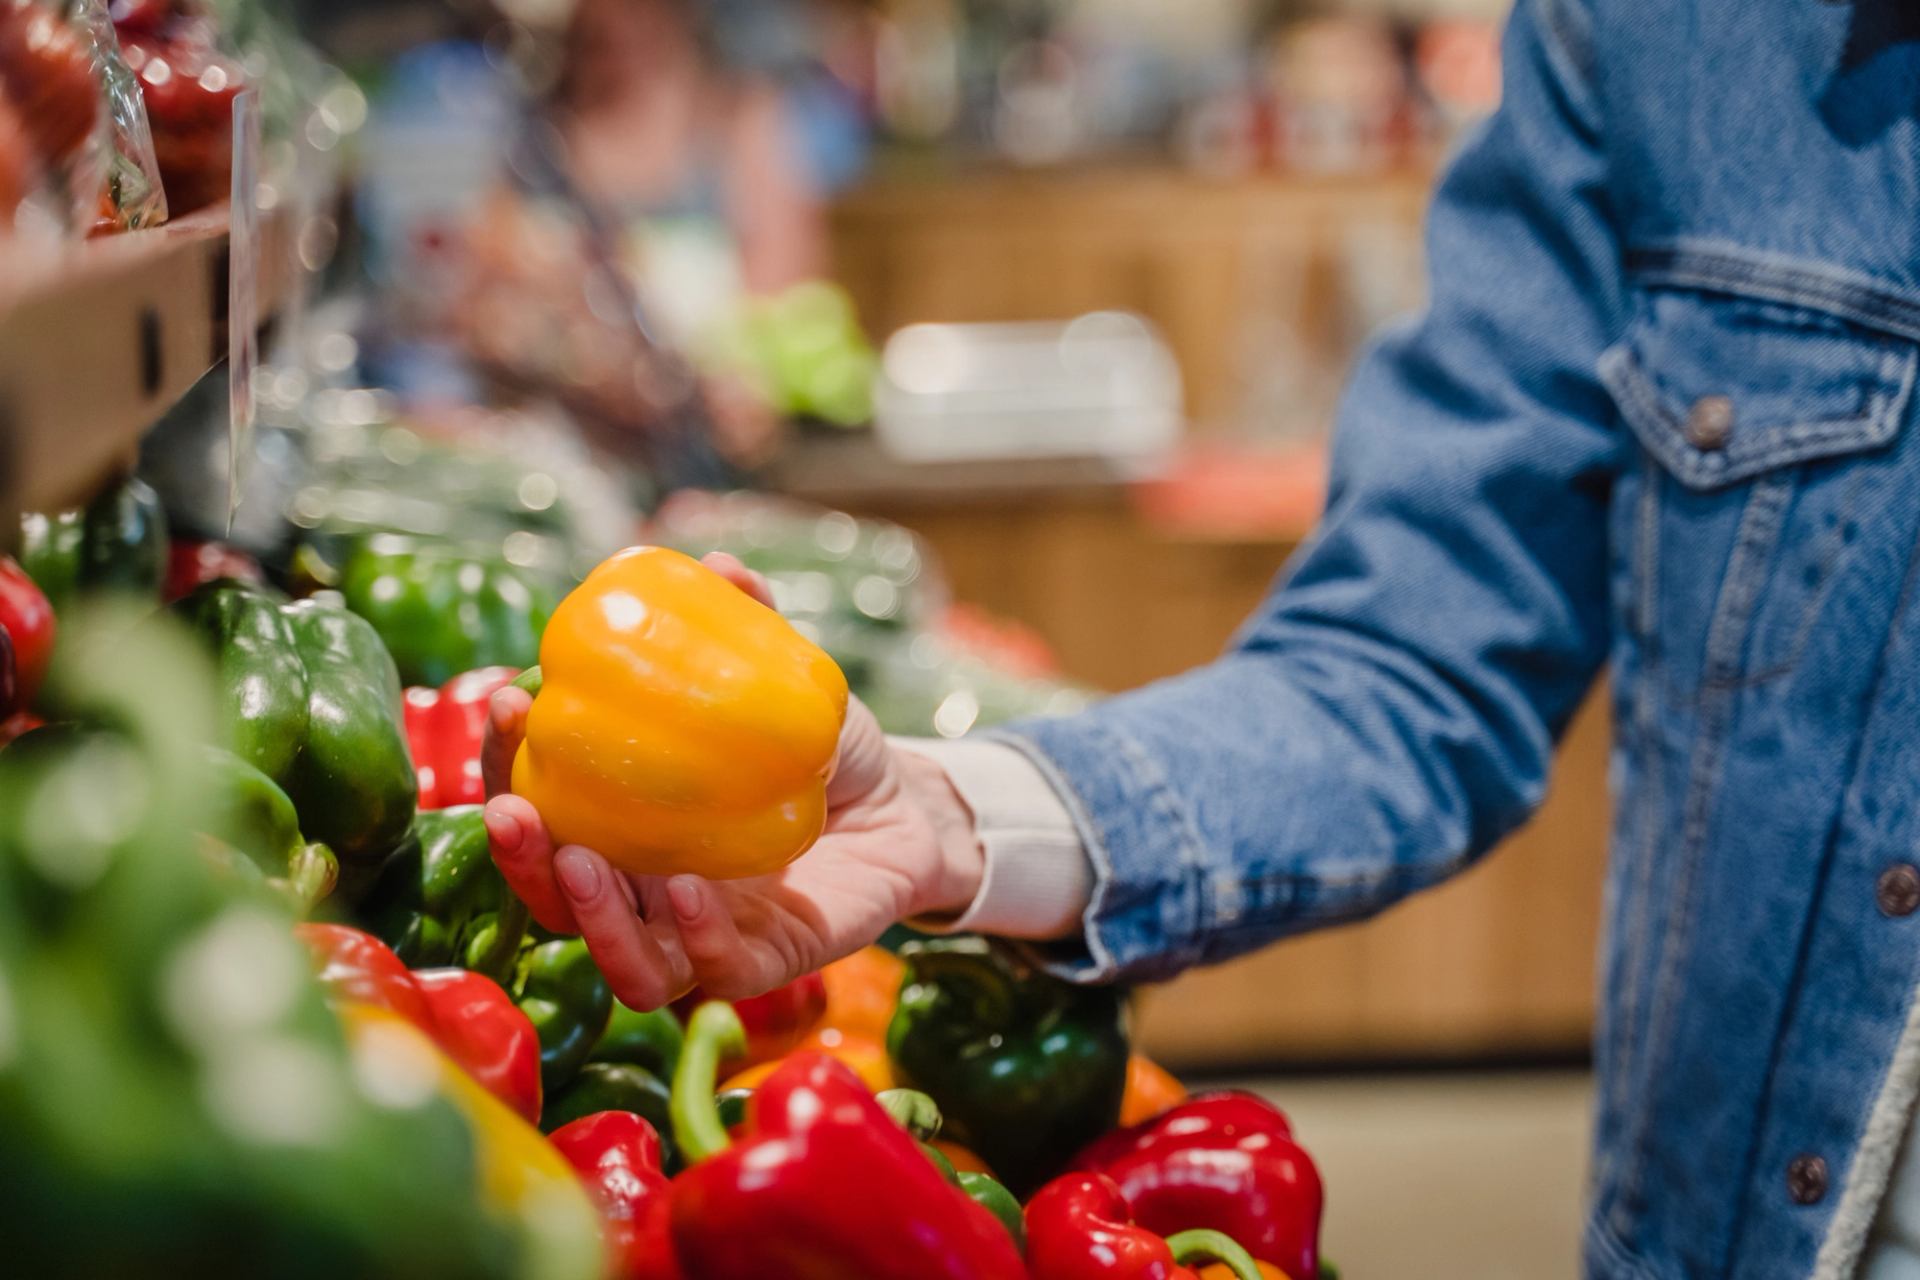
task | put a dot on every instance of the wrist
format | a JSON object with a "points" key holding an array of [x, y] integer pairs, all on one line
{"points": [[959, 861]]}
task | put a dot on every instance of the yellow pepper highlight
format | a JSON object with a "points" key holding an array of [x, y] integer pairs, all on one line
{"points": [[680, 725], [522, 1176]]}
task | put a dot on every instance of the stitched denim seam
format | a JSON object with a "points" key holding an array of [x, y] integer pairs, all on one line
{"points": [[1626, 376], [1730, 268], [1646, 713], [1726, 636], [1613, 1251]]}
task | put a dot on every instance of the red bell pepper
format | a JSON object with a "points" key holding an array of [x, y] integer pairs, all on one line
{"points": [[1079, 1227], [444, 730], [618, 1154], [467, 1014], [823, 1185], [47, 70], [192, 563], [1223, 1161], [776, 1022], [189, 87], [27, 619], [483, 1030]]}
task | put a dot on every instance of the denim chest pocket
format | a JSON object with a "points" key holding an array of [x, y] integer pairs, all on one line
{"points": [[1753, 417], [1722, 389]]}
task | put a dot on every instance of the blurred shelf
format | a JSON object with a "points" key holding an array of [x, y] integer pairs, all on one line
{"points": [[850, 469], [96, 342]]}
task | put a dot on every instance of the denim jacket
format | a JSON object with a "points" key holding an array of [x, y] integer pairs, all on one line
{"points": [[1656, 416]]}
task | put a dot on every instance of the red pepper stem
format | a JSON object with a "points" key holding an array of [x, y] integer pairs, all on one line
{"points": [[713, 1033], [1213, 1246]]}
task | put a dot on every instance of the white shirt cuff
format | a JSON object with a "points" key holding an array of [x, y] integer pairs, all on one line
{"points": [[1038, 878]]}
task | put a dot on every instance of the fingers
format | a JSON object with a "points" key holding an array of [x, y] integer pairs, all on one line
{"points": [[642, 973], [863, 758], [726, 967], [730, 567], [506, 726], [523, 850]]}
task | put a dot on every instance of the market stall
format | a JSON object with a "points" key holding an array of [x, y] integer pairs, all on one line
{"points": [[316, 434]]}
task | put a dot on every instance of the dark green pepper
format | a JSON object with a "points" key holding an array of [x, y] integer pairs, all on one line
{"points": [[649, 1040], [310, 698], [439, 900], [252, 816], [569, 1003], [613, 1086], [1025, 1068], [441, 611], [116, 543]]}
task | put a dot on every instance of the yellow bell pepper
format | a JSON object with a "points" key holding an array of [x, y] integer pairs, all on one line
{"points": [[522, 1176], [678, 724]]}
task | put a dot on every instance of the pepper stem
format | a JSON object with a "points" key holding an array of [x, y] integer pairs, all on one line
{"points": [[530, 680], [713, 1033], [913, 1111], [1214, 1246]]}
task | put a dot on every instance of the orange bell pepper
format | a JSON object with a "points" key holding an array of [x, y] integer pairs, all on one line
{"points": [[867, 1057], [1221, 1271], [679, 725], [863, 991], [1151, 1089]]}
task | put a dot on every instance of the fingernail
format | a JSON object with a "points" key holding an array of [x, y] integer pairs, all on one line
{"points": [[502, 830], [684, 893], [578, 875]]}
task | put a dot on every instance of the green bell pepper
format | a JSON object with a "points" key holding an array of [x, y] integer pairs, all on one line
{"points": [[441, 611], [649, 1040], [253, 817], [1025, 1068], [116, 543], [569, 1003], [310, 698], [920, 1116], [439, 900], [613, 1086], [136, 977]]}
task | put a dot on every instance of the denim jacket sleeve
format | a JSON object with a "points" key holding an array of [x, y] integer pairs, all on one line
{"points": [[1390, 710]]}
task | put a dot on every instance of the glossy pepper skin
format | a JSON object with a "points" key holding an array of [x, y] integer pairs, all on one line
{"points": [[467, 1015], [439, 899], [117, 543], [310, 698], [442, 612], [27, 618], [776, 1022], [651, 1040], [445, 727], [1225, 1161], [820, 1185], [561, 990], [253, 817], [611, 1086], [1026, 1069], [1079, 1227], [617, 1154], [679, 725], [916, 1113]]}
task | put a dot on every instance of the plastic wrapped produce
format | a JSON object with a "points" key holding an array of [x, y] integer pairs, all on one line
{"points": [[130, 194]]}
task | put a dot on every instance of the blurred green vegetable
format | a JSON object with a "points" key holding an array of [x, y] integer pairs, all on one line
{"points": [[441, 611]]}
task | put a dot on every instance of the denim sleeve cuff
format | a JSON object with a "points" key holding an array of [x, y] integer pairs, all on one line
{"points": [[1037, 880], [1146, 916]]}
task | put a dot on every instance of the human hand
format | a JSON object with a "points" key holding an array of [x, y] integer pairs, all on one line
{"points": [[899, 842]]}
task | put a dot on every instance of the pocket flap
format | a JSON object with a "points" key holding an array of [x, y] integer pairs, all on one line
{"points": [[1721, 389]]}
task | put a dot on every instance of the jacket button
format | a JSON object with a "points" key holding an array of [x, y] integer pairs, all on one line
{"points": [[1898, 890], [1710, 423], [1806, 1179]]}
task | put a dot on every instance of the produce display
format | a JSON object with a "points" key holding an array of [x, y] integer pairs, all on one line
{"points": [[992, 1116]]}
